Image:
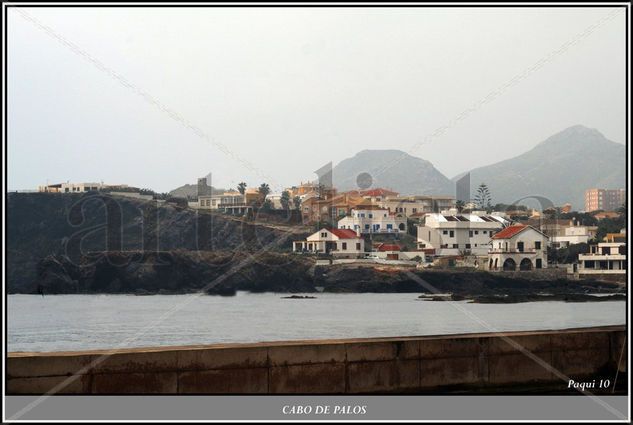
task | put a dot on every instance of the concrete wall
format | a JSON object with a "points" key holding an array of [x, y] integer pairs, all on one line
{"points": [[472, 362]]}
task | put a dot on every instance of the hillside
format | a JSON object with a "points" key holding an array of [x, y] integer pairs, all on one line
{"points": [[72, 225], [559, 168], [392, 169]]}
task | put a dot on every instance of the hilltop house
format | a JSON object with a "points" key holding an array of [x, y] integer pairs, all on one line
{"points": [[338, 242], [370, 218], [412, 205], [443, 234], [232, 202], [518, 245], [71, 187]]}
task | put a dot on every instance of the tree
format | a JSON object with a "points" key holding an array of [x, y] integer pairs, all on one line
{"points": [[263, 190], [241, 188], [297, 202], [622, 211], [483, 198], [459, 204], [285, 200], [321, 190]]}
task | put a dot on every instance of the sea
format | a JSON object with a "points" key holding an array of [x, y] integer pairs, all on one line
{"points": [[83, 322]]}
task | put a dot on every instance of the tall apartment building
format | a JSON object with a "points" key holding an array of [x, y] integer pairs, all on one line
{"points": [[604, 199]]}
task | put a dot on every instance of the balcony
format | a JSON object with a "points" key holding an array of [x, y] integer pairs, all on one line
{"points": [[514, 251]]}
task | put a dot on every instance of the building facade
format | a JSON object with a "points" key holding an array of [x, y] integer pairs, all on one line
{"points": [[71, 187], [458, 234], [412, 205], [519, 247], [604, 199], [368, 219], [603, 258], [337, 242], [574, 235]]}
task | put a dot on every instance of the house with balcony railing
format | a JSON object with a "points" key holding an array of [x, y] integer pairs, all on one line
{"points": [[518, 246], [603, 258], [368, 219]]}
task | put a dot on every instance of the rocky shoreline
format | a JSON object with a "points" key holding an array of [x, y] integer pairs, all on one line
{"points": [[58, 245], [225, 273]]}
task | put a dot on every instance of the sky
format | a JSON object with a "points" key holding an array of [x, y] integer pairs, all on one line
{"points": [[157, 97]]}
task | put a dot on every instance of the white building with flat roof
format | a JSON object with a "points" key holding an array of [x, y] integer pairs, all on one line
{"points": [[70, 187], [373, 219], [458, 234], [574, 235], [603, 258]]}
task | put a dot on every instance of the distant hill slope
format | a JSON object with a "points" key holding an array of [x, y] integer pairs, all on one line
{"points": [[403, 173], [559, 168], [190, 191]]}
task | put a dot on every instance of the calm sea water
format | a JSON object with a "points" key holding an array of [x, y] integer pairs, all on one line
{"points": [[80, 322]]}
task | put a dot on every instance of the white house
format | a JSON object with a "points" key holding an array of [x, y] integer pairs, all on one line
{"points": [[338, 242], [71, 187], [457, 234], [519, 246], [419, 204], [373, 219], [574, 235], [604, 258]]}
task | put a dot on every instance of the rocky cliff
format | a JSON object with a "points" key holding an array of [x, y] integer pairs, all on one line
{"points": [[74, 225]]}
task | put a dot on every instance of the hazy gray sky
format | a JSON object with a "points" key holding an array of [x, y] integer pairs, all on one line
{"points": [[288, 90]]}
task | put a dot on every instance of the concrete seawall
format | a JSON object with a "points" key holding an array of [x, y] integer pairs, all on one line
{"points": [[469, 362]]}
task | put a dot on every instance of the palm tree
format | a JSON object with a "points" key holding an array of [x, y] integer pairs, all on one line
{"points": [[459, 204], [263, 190], [241, 188], [297, 202], [285, 200]]}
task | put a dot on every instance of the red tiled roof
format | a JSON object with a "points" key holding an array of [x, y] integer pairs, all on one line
{"points": [[378, 192], [388, 247], [510, 231], [344, 233]]}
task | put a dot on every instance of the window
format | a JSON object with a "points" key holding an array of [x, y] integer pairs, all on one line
{"points": [[467, 246], [389, 226], [371, 215], [476, 232], [357, 246], [324, 234], [470, 233], [484, 232], [537, 245], [445, 232], [344, 246], [452, 235], [455, 246], [366, 226]]}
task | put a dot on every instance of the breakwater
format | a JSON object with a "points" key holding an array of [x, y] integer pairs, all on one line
{"points": [[518, 361]]}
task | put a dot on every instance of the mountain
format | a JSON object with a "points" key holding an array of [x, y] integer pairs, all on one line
{"points": [[392, 169], [559, 168]]}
